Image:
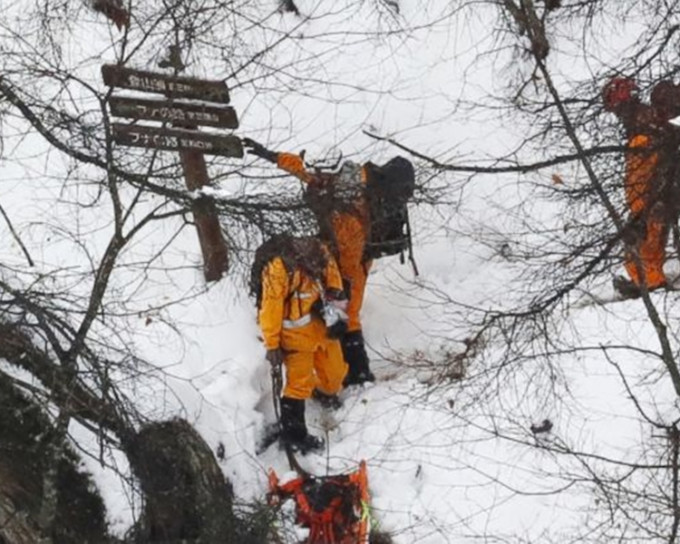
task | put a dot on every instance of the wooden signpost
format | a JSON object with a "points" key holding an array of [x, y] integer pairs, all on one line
{"points": [[175, 86], [182, 136], [176, 139], [175, 112]]}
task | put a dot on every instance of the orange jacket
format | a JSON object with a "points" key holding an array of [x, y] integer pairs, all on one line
{"points": [[652, 142], [644, 178], [351, 230], [285, 315], [641, 173]]}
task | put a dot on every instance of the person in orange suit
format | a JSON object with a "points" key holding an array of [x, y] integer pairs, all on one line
{"points": [[650, 178], [301, 303], [339, 202]]}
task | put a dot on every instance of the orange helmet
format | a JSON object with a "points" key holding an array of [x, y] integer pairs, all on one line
{"points": [[619, 90]]}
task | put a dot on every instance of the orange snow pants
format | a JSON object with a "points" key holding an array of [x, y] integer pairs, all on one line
{"points": [[640, 195], [323, 369]]}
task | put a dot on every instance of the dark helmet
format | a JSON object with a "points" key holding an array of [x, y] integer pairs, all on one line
{"points": [[618, 91]]}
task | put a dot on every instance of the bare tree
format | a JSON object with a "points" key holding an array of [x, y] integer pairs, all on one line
{"points": [[524, 369]]}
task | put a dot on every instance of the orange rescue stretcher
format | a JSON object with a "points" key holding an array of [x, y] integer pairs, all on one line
{"points": [[334, 508]]}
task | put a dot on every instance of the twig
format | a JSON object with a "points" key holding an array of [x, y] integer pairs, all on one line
{"points": [[16, 237]]}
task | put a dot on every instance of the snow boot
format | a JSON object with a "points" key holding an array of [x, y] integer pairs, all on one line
{"points": [[293, 428], [355, 356], [626, 288], [331, 402]]}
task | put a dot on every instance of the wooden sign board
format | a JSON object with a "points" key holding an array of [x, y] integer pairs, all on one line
{"points": [[177, 139], [153, 82], [177, 112]]}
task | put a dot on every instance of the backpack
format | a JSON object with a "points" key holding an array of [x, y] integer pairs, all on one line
{"points": [[388, 189]]}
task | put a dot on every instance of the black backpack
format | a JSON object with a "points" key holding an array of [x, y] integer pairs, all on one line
{"points": [[388, 189]]}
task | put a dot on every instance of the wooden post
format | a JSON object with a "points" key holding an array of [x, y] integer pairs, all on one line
{"points": [[185, 138], [213, 245]]}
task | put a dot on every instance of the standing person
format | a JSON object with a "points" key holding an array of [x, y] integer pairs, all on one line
{"points": [[342, 210], [650, 177], [299, 294]]}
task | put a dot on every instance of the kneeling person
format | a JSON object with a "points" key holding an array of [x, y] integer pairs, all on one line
{"points": [[300, 301]]}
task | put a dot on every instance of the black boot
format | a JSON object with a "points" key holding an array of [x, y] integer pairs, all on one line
{"points": [[332, 402], [628, 289], [625, 287], [293, 428], [355, 356]]}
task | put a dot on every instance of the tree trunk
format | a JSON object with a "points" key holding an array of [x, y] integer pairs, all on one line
{"points": [[187, 496]]}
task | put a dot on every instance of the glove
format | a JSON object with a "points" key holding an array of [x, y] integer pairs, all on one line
{"points": [[335, 319], [254, 148], [338, 299], [275, 357], [337, 330]]}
